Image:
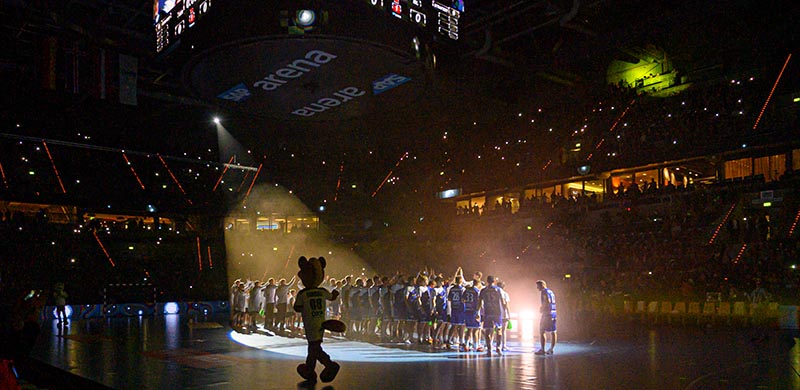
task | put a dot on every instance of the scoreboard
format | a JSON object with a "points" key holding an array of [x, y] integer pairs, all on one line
{"points": [[442, 17], [173, 18], [350, 59]]}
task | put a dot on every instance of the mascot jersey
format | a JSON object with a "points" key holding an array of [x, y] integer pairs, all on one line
{"points": [[311, 303]]}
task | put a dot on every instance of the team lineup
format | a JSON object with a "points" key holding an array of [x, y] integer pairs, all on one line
{"points": [[447, 313]]}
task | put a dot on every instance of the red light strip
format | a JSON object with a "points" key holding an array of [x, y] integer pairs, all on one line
{"points": [[244, 179], [60, 183], [338, 182], [223, 174], [614, 126], [199, 256], [210, 263], [252, 183], [721, 224], [103, 247], [739, 256], [611, 130], [547, 165], [291, 253], [289, 258], [390, 174], [132, 170], [772, 91], [180, 187], [794, 224], [3, 173]]}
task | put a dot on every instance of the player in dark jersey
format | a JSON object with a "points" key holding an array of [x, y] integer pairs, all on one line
{"points": [[421, 303], [356, 313], [411, 299], [470, 299], [428, 300], [347, 284], [398, 292], [495, 309], [456, 305], [547, 322], [373, 315], [366, 308], [384, 308]]}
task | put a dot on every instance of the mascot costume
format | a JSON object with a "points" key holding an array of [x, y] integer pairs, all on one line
{"points": [[311, 303]]}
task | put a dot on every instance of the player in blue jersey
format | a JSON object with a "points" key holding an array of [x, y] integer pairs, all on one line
{"points": [[547, 322], [398, 291], [495, 309], [470, 299], [456, 308], [423, 307]]}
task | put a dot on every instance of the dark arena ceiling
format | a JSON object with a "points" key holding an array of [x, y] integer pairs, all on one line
{"points": [[360, 88]]}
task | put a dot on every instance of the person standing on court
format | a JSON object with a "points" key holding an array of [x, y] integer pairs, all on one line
{"points": [[495, 309], [547, 322], [60, 297]]}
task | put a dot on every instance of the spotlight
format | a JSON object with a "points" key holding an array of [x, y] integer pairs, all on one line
{"points": [[305, 17], [216, 120]]}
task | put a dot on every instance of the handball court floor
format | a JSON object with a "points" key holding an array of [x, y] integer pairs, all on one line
{"points": [[169, 352]]}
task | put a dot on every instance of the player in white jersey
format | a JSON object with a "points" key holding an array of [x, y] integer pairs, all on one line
{"points": [[440, 315], [234, 291], [282, 301], [241, 305], [335, 307], [254, 305], [506, 320], [269, 304]]}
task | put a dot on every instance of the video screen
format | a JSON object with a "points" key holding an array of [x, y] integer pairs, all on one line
{"points": [[442, 17], [172, 18]]}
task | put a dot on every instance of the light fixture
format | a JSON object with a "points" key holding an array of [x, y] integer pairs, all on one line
{"points": [[305, 17]]}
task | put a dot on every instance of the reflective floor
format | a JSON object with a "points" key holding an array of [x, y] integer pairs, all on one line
{"points": [[167, 352]]}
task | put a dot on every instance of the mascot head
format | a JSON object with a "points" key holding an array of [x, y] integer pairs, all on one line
{"points": [[312, 271]]}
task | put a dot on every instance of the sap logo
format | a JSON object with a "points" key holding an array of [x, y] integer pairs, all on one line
{"points": [[324, 104], [295, 69], [388, 82], [237, 94]]}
